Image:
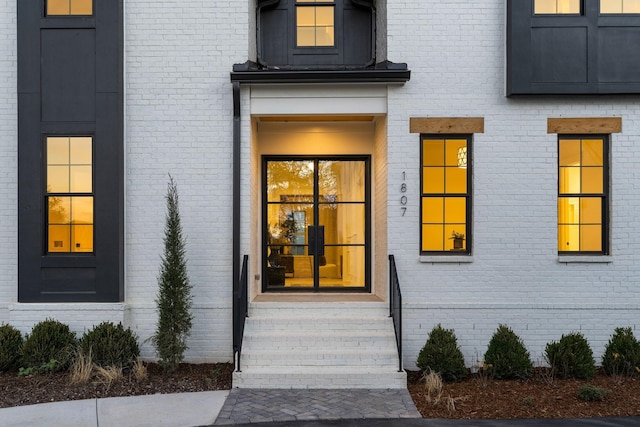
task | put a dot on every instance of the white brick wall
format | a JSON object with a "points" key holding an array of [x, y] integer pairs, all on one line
{"points": [[179, 121], [178, 56], [8, 158], [457, 59]]}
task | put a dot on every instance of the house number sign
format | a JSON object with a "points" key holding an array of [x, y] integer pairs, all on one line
{"points": [[403, 197]]}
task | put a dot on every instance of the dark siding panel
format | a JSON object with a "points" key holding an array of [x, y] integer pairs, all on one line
{"points": [[80, 92], [614, 65], [588, 54], [68, 75], [30, 215], [559, 55], [358, 38], [274, 36]]}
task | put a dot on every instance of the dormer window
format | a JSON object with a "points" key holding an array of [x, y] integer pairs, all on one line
{"points": [[315, 23]]}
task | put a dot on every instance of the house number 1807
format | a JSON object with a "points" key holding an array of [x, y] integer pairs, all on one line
{"points": [[403, 198]]}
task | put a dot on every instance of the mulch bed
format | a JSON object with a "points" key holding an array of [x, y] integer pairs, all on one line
{"points": [[18, 390], [539, 397]]}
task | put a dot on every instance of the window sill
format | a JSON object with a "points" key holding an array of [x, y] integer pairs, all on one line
{"points": [[446, 259], [585, 259]]}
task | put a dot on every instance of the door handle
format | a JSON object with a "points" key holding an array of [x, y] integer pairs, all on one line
{"points": [[316, 239]]}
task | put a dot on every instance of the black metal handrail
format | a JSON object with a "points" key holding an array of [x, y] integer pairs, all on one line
{"points": [[240, 311], [395, 306]]}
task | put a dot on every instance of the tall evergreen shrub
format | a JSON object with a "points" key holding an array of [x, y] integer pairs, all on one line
{"points": [[174, 294]]}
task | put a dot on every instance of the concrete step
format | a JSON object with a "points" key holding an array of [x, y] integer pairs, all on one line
{"points": [[354, 358], [299, 345], [320, 377]]}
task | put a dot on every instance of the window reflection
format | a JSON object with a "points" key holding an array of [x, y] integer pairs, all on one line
{"points": [[70, 202]]}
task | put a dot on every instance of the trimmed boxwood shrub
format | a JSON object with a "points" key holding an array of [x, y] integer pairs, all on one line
{"points": [[571, 357], [441, 354], [49, 341], [507, 356], [10, 347], [622, 354], [111, 345]]}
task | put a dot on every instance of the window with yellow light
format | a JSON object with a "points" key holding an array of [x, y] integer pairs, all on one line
{"points": [[69, 7], [315, 23], [445, 204], [582, 194], [69, 196]]}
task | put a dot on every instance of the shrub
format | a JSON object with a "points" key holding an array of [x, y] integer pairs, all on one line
{"points": [[49, 347], [10, 347], [571, 357], [111, 345], [622, 354], [441, 354], [507, 356], [591, 393]]}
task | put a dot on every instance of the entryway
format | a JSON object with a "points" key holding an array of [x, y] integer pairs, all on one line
{"points": [[317, 223]]}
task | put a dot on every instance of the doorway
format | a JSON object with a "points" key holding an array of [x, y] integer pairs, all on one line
{"points": [[316, 223]]}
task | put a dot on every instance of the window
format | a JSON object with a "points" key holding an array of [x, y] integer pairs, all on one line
{"points": [[69, 194], [315, 24], [69, 7], [556, 7], [582, 194], [446, 203], [619, 6]]}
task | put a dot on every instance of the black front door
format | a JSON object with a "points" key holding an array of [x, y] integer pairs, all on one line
{"points": [[316, 224]]}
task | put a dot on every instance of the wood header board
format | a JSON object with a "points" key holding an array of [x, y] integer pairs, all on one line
{"points": [[588, 125], [446, 125]]}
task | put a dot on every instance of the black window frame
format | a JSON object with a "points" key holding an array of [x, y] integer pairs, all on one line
{"points": [[604, 197], [468, 237]]}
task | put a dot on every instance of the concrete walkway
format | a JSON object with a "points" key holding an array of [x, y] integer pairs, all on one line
{"points": [[304, 408], [158, 410]]}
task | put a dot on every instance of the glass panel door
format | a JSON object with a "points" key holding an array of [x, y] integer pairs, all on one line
{"points": [[316, 222]]}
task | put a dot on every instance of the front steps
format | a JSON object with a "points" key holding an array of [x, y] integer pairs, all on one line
{"points": [[319, 345]]}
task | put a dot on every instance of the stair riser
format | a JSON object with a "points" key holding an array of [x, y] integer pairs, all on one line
{"points": [[299, 360], [328, 381]]}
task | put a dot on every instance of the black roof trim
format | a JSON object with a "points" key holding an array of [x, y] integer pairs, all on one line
{"points": [[384, 72]]}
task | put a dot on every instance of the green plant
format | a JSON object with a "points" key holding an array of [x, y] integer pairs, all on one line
{"points": [[25, 372], [507, 356], [111, 345], [591, 393], [441, 354], [571, 357], [622, 354], [49, 341], [174, 296], [10, 347]]}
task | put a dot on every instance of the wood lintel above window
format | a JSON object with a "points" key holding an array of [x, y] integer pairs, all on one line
{"points": [[446, 125], [587, 125]]}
